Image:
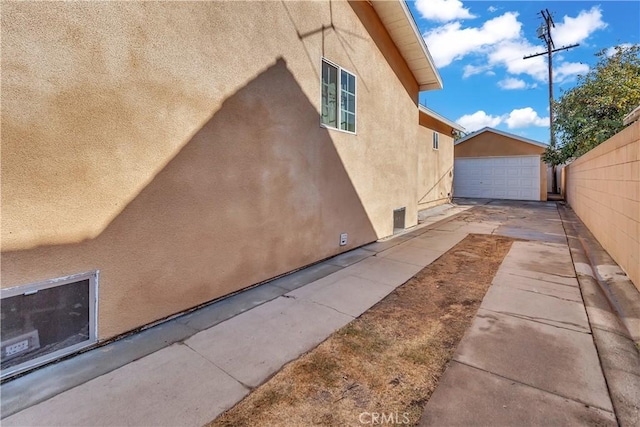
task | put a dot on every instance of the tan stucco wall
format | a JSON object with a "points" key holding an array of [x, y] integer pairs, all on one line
{"points": [[176, 146], [603, 188], [435, 167], [489, 144]]}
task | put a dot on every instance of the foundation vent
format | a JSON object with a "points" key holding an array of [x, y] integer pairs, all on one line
{"points": [[398, 220], [43, 321]]}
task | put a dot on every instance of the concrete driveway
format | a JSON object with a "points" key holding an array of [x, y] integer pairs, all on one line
{"points": [[546, 347], [529, 357]]}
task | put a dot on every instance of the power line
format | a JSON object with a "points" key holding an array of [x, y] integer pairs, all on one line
{"points": [[553, 51], [544, 33]]}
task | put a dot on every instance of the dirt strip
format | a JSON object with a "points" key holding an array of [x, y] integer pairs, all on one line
{"points": [[385, 364]]}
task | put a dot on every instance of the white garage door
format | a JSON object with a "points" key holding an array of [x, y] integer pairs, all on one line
{"points": [[516, 177]]}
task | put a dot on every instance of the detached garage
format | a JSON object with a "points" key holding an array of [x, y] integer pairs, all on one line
{"points": [[498, 165]]}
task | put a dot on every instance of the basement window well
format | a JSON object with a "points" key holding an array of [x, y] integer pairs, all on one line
{"points": [[44, 321]]}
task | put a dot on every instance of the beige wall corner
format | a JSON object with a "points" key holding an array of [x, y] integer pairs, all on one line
{"points": [[435, 166]]}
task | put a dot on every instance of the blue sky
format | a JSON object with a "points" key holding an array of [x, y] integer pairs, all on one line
{"points": [[478, 48]]}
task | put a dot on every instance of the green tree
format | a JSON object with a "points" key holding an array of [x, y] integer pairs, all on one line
{"points": [[592, 111]]}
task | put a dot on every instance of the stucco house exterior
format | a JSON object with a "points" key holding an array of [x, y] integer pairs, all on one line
{"points": [[435, 158], [160, 155], [491, 163]]}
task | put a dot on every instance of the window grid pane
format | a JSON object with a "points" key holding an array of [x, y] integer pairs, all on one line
{"points": [[329, 95], [348, 102], [350, 122], [336, 105]]}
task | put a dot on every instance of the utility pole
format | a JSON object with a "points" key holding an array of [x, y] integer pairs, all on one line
{"points": [[544, 33]]}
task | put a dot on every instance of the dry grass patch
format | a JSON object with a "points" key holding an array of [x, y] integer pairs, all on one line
{"points": [[389, 359]]}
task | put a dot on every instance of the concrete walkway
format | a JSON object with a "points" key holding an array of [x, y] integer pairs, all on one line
{"points": [[546, 347], [529, 357]]}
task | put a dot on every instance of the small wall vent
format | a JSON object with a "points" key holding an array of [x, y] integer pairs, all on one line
{"points": [[47, 320], [398, 220]]}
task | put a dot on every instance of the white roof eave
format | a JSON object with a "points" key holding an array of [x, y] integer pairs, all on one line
{"points": [[398, 20], [429, 112]]}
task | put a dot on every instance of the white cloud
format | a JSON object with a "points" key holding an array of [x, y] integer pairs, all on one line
{"points": [[478, 120], [511, 83], [443, 10], [525, 117], [576, 30], [612, 50], [499, 42], [471, 70], [492, 9], [516, 119], [509, 54], [567, 70], [450, 41]]}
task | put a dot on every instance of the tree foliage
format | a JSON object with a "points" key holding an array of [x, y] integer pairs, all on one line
{"points": [[593, 110]]}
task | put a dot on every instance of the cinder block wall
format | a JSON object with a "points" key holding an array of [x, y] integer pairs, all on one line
{"points": [[603, 188]]}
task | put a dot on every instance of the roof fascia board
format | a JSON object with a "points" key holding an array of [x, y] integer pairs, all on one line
{"points": [[440, 118], [399, 10], [425, 49], [499, 132]]}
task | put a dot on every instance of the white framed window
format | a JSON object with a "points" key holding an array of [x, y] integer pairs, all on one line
{"points": [[436, 141], [338, 109], [47, 320]]}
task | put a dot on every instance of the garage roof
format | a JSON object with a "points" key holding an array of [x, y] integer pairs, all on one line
{"points": [[397, 19], [499, 132]]}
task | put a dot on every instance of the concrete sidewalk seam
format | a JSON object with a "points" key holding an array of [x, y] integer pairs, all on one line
{"points": [[542, 293], [537, 320], [611, 331], [510, 272], [322, 305], [380, 282], [534, 387], [510, 269], [248, 387]]}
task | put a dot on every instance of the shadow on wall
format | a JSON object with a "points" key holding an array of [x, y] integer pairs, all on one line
{"points": [[259, 191]]}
